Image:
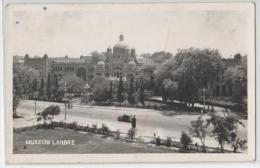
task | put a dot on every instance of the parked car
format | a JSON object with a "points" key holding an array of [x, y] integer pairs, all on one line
{"points": [[124, 118]]}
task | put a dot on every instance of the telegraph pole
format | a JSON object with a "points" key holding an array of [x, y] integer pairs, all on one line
{"points": [[65, 93], [204, 99]]}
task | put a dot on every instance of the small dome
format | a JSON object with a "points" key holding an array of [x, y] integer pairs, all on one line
{"points": [[101, 63], [132, 63]]}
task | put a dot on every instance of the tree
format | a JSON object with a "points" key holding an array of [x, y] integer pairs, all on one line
{"points": [[192, 69], [131, 97], [48, 87], [48, 113], [237, 143], [101, 92], [160, 57], [74, 84], [185, 140], [35, 85], [199, 129], [95, 58], [24, 77], [237, 77], [56, 87], [42, 89], [141, 93], [224, 129], [16, 101], [17, 88], [120, 90], [111, 92], [170, 88]]}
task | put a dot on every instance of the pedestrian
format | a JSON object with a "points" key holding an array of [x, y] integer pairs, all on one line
{"points": [[196, 144], [133, 122]]}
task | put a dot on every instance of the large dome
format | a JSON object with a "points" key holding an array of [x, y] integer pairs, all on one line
{"points": [[121, 43]]}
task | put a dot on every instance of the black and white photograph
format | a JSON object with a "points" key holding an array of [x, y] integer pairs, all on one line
{"points": [[150, 79]]}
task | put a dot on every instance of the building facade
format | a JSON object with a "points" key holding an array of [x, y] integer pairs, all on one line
{"points": [[119, 61]]}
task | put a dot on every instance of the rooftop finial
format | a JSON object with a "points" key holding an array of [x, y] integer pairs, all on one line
{"points": [[121, 37]]}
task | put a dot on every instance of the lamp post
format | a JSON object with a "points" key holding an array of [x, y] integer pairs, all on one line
{"points": [[86, 95], [65, 99], [204, 98], [34, 97]]}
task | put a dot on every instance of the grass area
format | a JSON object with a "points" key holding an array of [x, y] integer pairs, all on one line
{"points": [[84, 143]]}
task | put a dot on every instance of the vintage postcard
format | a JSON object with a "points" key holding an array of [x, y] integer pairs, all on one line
{"points": [[102, 83]]}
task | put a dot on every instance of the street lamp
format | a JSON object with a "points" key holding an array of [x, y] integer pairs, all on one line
{"points": [[34, 97], [204, 98], [86, 94], [65, 99]]}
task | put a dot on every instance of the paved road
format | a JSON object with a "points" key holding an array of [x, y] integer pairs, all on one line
{"points": [[162, 123]]}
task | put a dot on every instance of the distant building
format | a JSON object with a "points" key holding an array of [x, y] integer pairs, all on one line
{"points": [[18, 59], [121, 61], [221, 88]]}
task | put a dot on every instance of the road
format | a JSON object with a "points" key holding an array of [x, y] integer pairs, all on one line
{"points": [[149, 122]]}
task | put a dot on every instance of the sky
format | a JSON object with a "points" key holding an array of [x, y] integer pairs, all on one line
{"points": [[75, 30]]}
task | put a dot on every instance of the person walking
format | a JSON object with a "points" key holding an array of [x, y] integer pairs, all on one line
{"points": [[133, 122]]}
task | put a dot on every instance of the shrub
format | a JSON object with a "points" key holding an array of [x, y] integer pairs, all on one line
{"points": [[168, 142], [105, 129], [48, 113], [158, 141], [185, 140], [94, 126]]}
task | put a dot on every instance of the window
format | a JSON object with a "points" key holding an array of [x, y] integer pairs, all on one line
{"points": [[36, 67]]}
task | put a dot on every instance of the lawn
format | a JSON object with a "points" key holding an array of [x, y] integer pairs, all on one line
{"points": [[84, 143]]}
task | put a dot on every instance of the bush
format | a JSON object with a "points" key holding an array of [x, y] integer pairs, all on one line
{"points": [[94, 126], [185, 140], [158, 141], [168, 142], [105, 129]]}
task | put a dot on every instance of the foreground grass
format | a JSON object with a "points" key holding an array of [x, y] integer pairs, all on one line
{"points": [[84, 143]]}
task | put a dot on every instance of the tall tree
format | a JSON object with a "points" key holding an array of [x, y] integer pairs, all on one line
{"points": [[224, 129], [199, 129], [185, 140], [48, 87], [131, 90], [120, 90], [16, 101], [56, 87], [111, 92], [101, 92], [24, 77], [141, 93], [35, 85], [237, 77]]}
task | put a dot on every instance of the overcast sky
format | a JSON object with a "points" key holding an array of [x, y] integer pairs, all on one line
{"points": [[75, 30]]}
